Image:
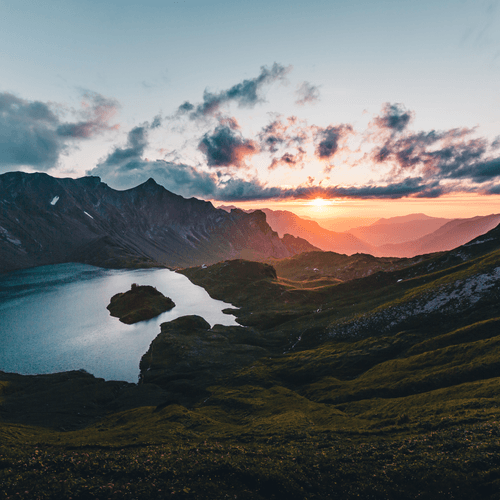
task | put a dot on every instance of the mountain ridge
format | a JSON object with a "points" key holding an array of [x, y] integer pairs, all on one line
{"points": [[47, 220]]}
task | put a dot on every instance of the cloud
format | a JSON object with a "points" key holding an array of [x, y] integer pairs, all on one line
{"points": [[407, 187], [125, 167], [478, 171], [28, 133], [307, 94], [394, 117], [96, 111], [226, 148], [288, 160], [157, 121], [31, 134], [287, 133], [329, 140], [248, 190], [440, 155], [137, 142], [494, 190], [246, 94]]}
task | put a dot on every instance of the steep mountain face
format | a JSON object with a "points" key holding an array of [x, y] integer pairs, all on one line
{"points": [[283, 222], [45, 220], [450, 235]]}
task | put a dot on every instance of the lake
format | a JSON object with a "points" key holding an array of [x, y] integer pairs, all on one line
{"points": [[54, 318]]}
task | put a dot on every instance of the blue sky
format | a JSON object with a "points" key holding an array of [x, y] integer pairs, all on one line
{"points": [[283, 100]]}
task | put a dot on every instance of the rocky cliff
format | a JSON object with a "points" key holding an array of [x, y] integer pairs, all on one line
{"points": [[47, 220]]}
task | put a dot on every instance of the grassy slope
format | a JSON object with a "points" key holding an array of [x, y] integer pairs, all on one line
{"points": [[381, 387]]}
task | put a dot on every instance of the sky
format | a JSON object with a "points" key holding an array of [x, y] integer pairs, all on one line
{"points": [[377, 108]]}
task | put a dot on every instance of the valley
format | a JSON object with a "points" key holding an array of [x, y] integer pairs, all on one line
{"points": [[347, 376]]}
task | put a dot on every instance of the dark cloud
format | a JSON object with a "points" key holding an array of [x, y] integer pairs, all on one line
{"points": [[440, 155], [31, 134], [307, 94], [478, 171], [394, 117], [137, 142], [407, 187], [185, 107], [28, 133], [288, 160], [242, 190], [157, 121], [273, 135], [329, 139], [246, 93], [285, 138], [494, 190], [226, 148], [130, 157]]}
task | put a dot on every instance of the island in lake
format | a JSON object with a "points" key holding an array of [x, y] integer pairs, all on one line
{"points": [[140, 303]]}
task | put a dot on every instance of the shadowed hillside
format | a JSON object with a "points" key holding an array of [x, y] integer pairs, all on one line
{"points": [[46, 220]]}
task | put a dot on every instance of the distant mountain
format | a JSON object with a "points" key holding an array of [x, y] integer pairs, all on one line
{"points": [[401, 219], [398, 229], [402, 236], [46, 220], [449, 236], [283, 221]]}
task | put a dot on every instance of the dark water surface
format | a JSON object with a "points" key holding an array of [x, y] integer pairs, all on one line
{"points": [[54, 318]]}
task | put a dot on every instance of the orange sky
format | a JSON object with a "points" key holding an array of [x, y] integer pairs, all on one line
{"points": [[364, 212]]}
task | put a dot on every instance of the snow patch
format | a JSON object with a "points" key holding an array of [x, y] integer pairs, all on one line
{"points": [[86, 213], [9, 237], [54, 200]]}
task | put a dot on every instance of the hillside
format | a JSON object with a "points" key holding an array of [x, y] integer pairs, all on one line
{"points": [[382, 386], [450, 235], [402, 237], [399, 230], [283, 221], [46, 220]]}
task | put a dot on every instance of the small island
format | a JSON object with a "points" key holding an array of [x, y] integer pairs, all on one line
{"points": [[140, 303]]}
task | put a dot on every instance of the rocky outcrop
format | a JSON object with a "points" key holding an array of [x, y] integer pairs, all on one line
{"points": [[188, 356], [140, 303]]}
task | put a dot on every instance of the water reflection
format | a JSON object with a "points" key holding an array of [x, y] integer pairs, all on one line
{"points": [[54, 318]]}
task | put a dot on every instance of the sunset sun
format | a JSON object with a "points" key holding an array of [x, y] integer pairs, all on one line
{"points": [[320, 202]]}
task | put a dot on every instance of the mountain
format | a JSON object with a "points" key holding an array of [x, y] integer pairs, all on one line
{"points": [[450, 235], [283, 221], [46, 220], [398, 229]]}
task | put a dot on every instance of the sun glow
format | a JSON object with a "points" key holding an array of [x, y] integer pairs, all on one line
{"points": [[319, 202]]}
